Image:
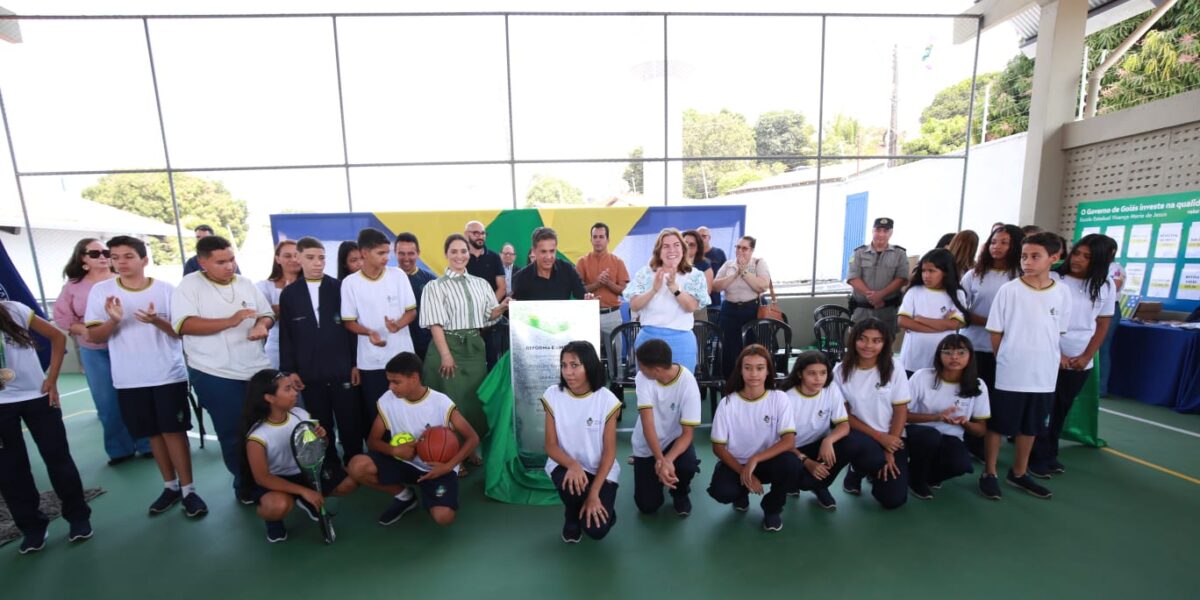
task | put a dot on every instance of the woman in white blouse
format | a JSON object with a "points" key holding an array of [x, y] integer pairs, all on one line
{"points": [[665, 293], [454, 307]]}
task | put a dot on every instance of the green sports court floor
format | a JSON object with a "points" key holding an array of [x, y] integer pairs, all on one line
{"points": [[1118, 527]]}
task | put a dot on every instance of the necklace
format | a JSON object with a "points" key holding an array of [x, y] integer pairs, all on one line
{"points": [[220, 294]]}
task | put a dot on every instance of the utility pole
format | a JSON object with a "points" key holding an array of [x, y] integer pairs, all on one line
{"points": [[893, 127]]}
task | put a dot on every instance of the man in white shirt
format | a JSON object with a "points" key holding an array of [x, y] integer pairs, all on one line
{"points": [[224, 320]]}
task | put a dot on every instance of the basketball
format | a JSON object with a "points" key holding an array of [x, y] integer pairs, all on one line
{"points": [[437, 445]]}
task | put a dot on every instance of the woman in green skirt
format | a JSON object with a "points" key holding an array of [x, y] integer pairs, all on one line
{"points": [[454, 307]]}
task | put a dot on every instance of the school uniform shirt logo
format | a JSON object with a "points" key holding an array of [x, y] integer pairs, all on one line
{"points": [[1053, 311], [767, 419], [821, 413], [672, 406], [439, 491], [589, 422]]}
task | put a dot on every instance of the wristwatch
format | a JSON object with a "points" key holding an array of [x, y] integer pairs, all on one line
{"points": [[676, 292]]}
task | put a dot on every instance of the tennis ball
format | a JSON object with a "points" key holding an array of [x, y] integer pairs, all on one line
{"points": [[403, 438]]}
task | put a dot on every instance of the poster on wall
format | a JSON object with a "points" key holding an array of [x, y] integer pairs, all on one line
{"points": [[1167, 245], [1139, 241], [1189, 283], [1161, 279], [1116, 232], [1135, 274], [1193, 241], [1159, 244]]}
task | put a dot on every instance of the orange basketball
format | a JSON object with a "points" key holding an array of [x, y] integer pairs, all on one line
{"points": [[437, 445]]}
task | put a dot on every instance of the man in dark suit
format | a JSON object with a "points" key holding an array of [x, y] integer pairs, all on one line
{"points": [[314, 345]]}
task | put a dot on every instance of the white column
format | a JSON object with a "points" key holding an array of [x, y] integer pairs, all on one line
{"points": [[1052, 105]]}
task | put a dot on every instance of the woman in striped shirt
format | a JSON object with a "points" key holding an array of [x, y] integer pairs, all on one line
{"points": [[454, 307]]}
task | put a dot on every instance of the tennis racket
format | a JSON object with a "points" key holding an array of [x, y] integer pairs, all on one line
{"points": [[308, 448]]}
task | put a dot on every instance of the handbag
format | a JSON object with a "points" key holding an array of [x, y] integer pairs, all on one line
{"points": [[771, 310]]}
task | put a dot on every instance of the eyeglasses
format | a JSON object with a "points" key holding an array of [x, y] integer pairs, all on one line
{"points": [[956, 352], [97, 253]]}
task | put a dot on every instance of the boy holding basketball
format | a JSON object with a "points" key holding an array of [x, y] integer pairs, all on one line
{"points": [[406, 410]]}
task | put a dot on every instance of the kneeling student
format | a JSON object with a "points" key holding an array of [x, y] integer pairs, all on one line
{"points": [[824, 441], [753, 435], [272, 477], [581, 443], [668, 402], [409, 407], [950, 398]]}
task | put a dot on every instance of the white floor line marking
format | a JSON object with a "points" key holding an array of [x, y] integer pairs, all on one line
{"points": [[196, 436], [73, 393], [1149, 422]]}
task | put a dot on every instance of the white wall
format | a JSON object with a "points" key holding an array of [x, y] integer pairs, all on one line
{"points": [[922, 197]]}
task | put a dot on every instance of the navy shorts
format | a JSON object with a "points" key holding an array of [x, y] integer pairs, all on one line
{"points": [[1023, 413], [331, 477], [442, 491], [156, 409]]}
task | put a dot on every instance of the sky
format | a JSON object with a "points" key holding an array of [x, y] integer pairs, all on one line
{"points": [[250, 92]]}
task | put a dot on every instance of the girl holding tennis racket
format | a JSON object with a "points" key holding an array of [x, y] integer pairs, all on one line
{"points": [[270, 474]]}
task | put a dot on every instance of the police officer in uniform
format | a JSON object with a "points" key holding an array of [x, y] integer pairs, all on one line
{"points": [[877, 273]]}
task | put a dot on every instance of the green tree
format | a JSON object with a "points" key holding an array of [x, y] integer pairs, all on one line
{"points": [[783, 132], [846, 136], [149, 195], [634, 173], [551, 190], [719, 134], [1165, 62], [1009, 103]]}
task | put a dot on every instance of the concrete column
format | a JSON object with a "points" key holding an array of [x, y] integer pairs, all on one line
{"points": [[1052, 105]]}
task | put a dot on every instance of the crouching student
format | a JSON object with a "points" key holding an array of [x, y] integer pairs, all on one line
{"points": [[668, 401], [950, 399], [581, 443], [877, 399], [271, 475], [824, 442], [753, 435], [409, 407]]}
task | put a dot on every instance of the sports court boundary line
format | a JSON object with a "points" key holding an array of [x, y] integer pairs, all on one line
{"points": [[1149, 422], [1146, 463]]}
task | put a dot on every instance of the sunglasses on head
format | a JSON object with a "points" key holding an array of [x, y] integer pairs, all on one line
{"points": [[97, 253]]}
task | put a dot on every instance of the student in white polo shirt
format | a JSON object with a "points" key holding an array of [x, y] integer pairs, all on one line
{"points": [[132, 313], [581, 443], [1085, 274], [824, 441], [377, 306], [224, 320], [270, 474], [949, 398], [29, 395], [410, 407], [753, 435], [1027, 320], [932, 307], [877, 398], [668, 401]]}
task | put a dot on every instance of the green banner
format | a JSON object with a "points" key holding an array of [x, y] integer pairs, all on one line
{"points": [[508, 480], [1159, 244]]}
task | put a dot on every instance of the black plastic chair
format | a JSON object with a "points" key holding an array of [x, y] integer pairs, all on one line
{"points": [[708, 372], [830, 310], [831, 335], [622, 366], [776, 336]]}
